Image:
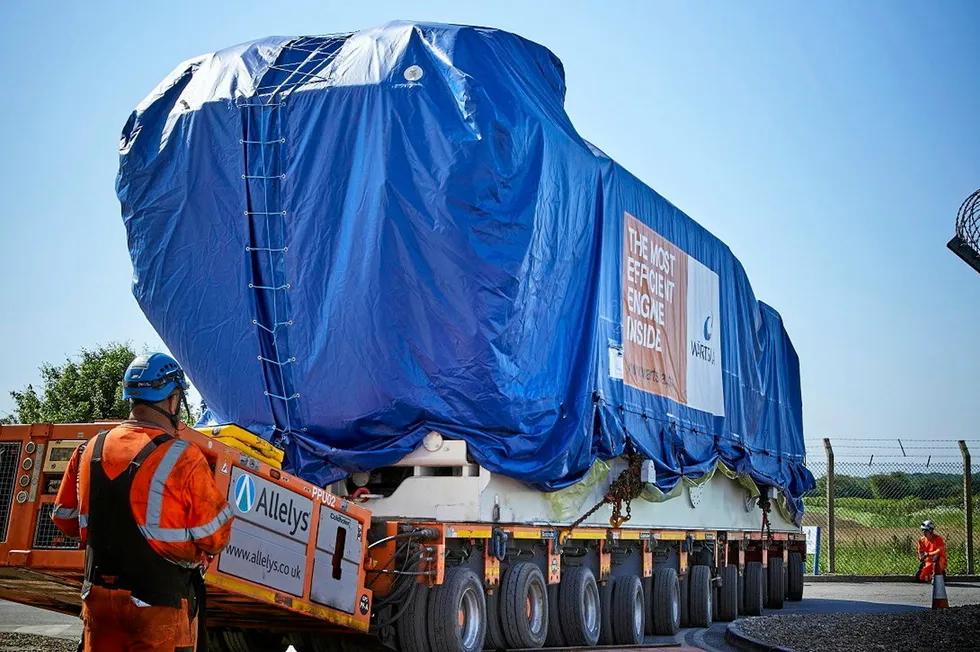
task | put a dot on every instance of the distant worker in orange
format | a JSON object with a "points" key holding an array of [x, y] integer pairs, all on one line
{"points": [[932, 553], [149, 515]]}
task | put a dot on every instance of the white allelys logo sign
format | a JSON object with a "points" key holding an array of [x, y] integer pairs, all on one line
{"points": [[267, 504]]}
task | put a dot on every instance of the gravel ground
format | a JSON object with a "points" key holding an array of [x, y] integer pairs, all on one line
{"points": [[946, 629], [10, 642]]}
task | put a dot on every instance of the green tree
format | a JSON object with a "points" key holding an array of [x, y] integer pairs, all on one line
{"points": [[929, 487], [849, 486], [77, 391], [892, 485], [821, 488], [83, 390]]}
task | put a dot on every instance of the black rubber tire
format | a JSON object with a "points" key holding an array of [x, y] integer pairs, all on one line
{"points": [[685, 599], [524, 587], [765, 587], [413, 627], [777, 583], [727, 605], [700, 596], [741, 592], [446, 633], [785, 582], [606, 603], [794, 577], [495, 632], [216, 642], [254, 641], [301, 642], [578, 592], [627, 604], [666, 602], [555, 637], [753, 580], [648, 601]]}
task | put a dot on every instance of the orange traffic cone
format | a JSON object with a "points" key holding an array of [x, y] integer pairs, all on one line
{"points": [[939, 600]]}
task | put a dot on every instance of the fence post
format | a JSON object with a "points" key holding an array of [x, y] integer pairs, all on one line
{"points": [[968, 504], [831, 517]]}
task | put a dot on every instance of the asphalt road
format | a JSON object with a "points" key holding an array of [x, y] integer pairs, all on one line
{"points": [[823, 597]]}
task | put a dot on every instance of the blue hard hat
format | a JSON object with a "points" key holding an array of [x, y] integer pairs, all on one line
{"points": [[152, 377]]}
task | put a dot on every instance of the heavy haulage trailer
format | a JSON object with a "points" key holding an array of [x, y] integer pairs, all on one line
{"points": [[522, 399], [446, 557]]}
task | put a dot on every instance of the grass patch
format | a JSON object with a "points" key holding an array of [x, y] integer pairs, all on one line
{"points": [[878, 536]]}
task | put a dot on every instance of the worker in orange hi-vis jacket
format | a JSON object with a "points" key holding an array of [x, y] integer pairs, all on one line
{"points": [[149, 515], [932, 553]]}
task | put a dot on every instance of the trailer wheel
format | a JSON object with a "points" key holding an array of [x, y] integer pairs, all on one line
{"points": [[753, 581], [666, 602], [254, 641], [777, 583], [794, 578], [580, 619], [524, 606], [555, 638], [606, 600], [216, 641], [413, 626], [741, 592], [685, 599], [457, 613], [648, 601], [728, 595], [700, 595], [765, 586], [299, 640], [628, 611], [495, 633]]}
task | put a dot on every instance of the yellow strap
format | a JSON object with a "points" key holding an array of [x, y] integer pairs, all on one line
{"points": [[253, 442], [248, 450]]}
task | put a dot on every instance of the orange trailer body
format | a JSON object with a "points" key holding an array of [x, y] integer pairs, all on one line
{"points": [[42, 567]]}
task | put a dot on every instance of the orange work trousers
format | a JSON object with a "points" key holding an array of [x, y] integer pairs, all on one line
{"points": [[929, 568], [114, 623]]}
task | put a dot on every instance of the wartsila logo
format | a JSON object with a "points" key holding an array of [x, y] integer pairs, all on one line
{"points": [[703, 350]]}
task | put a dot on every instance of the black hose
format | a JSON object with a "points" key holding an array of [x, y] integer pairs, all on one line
{"points": [[410, 565], [406, 605], [418, 533], [378, 571]]}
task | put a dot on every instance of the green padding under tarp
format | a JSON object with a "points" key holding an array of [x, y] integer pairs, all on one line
{"points": [[571, 502]]}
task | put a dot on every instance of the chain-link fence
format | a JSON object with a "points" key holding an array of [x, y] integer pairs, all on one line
{"points": [[880, 493]]}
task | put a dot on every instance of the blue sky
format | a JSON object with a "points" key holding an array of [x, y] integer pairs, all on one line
{"points": [[829, 144]]}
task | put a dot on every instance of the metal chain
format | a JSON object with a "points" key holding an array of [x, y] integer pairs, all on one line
{"points": [[623, 489], [766, 506]]}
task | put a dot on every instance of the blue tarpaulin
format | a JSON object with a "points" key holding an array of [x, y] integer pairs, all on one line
{"points": [[352, 240]]}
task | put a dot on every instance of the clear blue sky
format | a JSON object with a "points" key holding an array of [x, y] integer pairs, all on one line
{"points": [[829, 144]]}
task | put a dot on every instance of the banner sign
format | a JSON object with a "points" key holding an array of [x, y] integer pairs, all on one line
{"points": [[671, 326]]}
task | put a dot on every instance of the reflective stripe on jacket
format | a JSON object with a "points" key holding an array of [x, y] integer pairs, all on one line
{"points": [[174, 498]]}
